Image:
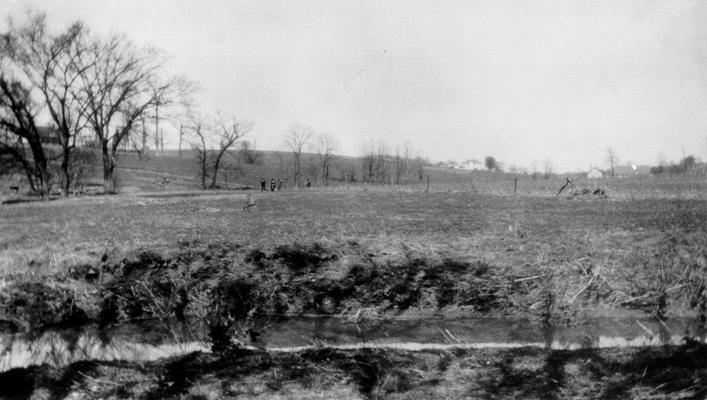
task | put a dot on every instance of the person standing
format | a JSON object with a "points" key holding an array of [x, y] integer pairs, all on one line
{"points": [[262, 184], [272, 185]]}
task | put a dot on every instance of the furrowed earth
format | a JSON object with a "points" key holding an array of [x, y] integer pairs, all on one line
{"points": [[357, 255]]}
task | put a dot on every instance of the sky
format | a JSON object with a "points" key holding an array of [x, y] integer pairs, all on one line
{"points": [[523, 81]]}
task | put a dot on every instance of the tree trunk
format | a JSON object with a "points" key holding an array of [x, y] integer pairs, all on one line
{"points": [[203, 169], [214, 175], [297, 170], [108, 166], [66, 184], [40, 162]]}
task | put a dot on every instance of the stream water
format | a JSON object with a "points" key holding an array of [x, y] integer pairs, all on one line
{"points": [[153, 340]]}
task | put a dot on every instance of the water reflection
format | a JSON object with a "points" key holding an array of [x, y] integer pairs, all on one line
{"points": [[154, 340], [134, 342]]}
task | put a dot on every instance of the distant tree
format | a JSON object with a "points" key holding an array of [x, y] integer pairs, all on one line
{"points": [[120, 85], [612, 159], [213, 138], [688, 163], [419, 164], [296, 140], [491, 163], [325, 146], [249, 154], [200, 149], [548, 169], [229, 131]]}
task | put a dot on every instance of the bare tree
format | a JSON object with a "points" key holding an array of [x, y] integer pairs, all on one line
{"points": [[181, 138], [119, 85], [325, 146], [296, 140], [50, 63], [198, 128], [548, 168], [376, 163], [212, 140], [612, 159], [403, 160], [18, 115], [229, 131]]}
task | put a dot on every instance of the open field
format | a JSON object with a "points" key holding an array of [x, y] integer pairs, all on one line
{"points": [[357, 253]]}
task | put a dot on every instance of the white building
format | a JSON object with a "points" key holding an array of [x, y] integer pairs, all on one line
{"points": [[594, 174]]}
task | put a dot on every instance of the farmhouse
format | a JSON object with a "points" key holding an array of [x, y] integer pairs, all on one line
{"points": [[594, 173]]}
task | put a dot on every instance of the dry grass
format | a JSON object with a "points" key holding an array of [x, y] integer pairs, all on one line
{"points": [[585, 255]]}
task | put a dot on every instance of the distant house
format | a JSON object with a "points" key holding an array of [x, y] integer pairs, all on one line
{"points": [[472, 165], [594, 174], [624, 171]]}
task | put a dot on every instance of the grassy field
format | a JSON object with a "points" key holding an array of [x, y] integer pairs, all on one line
{"points": [[466, 248], [524, 236]]}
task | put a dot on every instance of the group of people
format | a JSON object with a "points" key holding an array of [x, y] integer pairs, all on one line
{"points": [[278, 184], [273, 184]]}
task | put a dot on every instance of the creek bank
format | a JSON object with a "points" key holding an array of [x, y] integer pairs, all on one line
{"points": [[230, 287], [665, 372]]}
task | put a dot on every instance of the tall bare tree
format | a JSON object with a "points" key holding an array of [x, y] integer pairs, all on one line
{"points": [[50, 63], [325, 146], [213, 138], [198, 128], [120, 84], [229, 131], [18, 115], [296, 140], [402, 163]]}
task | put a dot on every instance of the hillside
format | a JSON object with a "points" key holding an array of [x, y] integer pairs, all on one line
{"points": [[182, 172]]}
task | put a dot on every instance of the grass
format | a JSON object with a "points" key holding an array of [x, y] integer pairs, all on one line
{"points": [[363, 251], [578, 254]]}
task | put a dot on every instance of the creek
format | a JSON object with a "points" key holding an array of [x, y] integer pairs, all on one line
{"points": [[154, 340]]}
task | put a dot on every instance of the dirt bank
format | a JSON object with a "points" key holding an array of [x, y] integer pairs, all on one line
{"points": [[230, 285], [658, 373]]}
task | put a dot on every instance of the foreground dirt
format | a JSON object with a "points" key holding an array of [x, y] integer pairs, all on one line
{"points": [[655, 373]]}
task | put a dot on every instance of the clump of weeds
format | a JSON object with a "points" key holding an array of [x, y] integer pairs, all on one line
{"points": [[231, 312], [671, 273], [144, 285], [31, 305]]}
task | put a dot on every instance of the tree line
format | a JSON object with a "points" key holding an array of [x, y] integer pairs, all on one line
{"points": [[86, 84], [105, 90]]}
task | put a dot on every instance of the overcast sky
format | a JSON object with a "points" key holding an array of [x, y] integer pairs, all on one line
{"points": [[524, 81]]}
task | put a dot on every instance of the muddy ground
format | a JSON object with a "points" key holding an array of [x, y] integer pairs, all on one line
{"points": [[655, 373]]}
